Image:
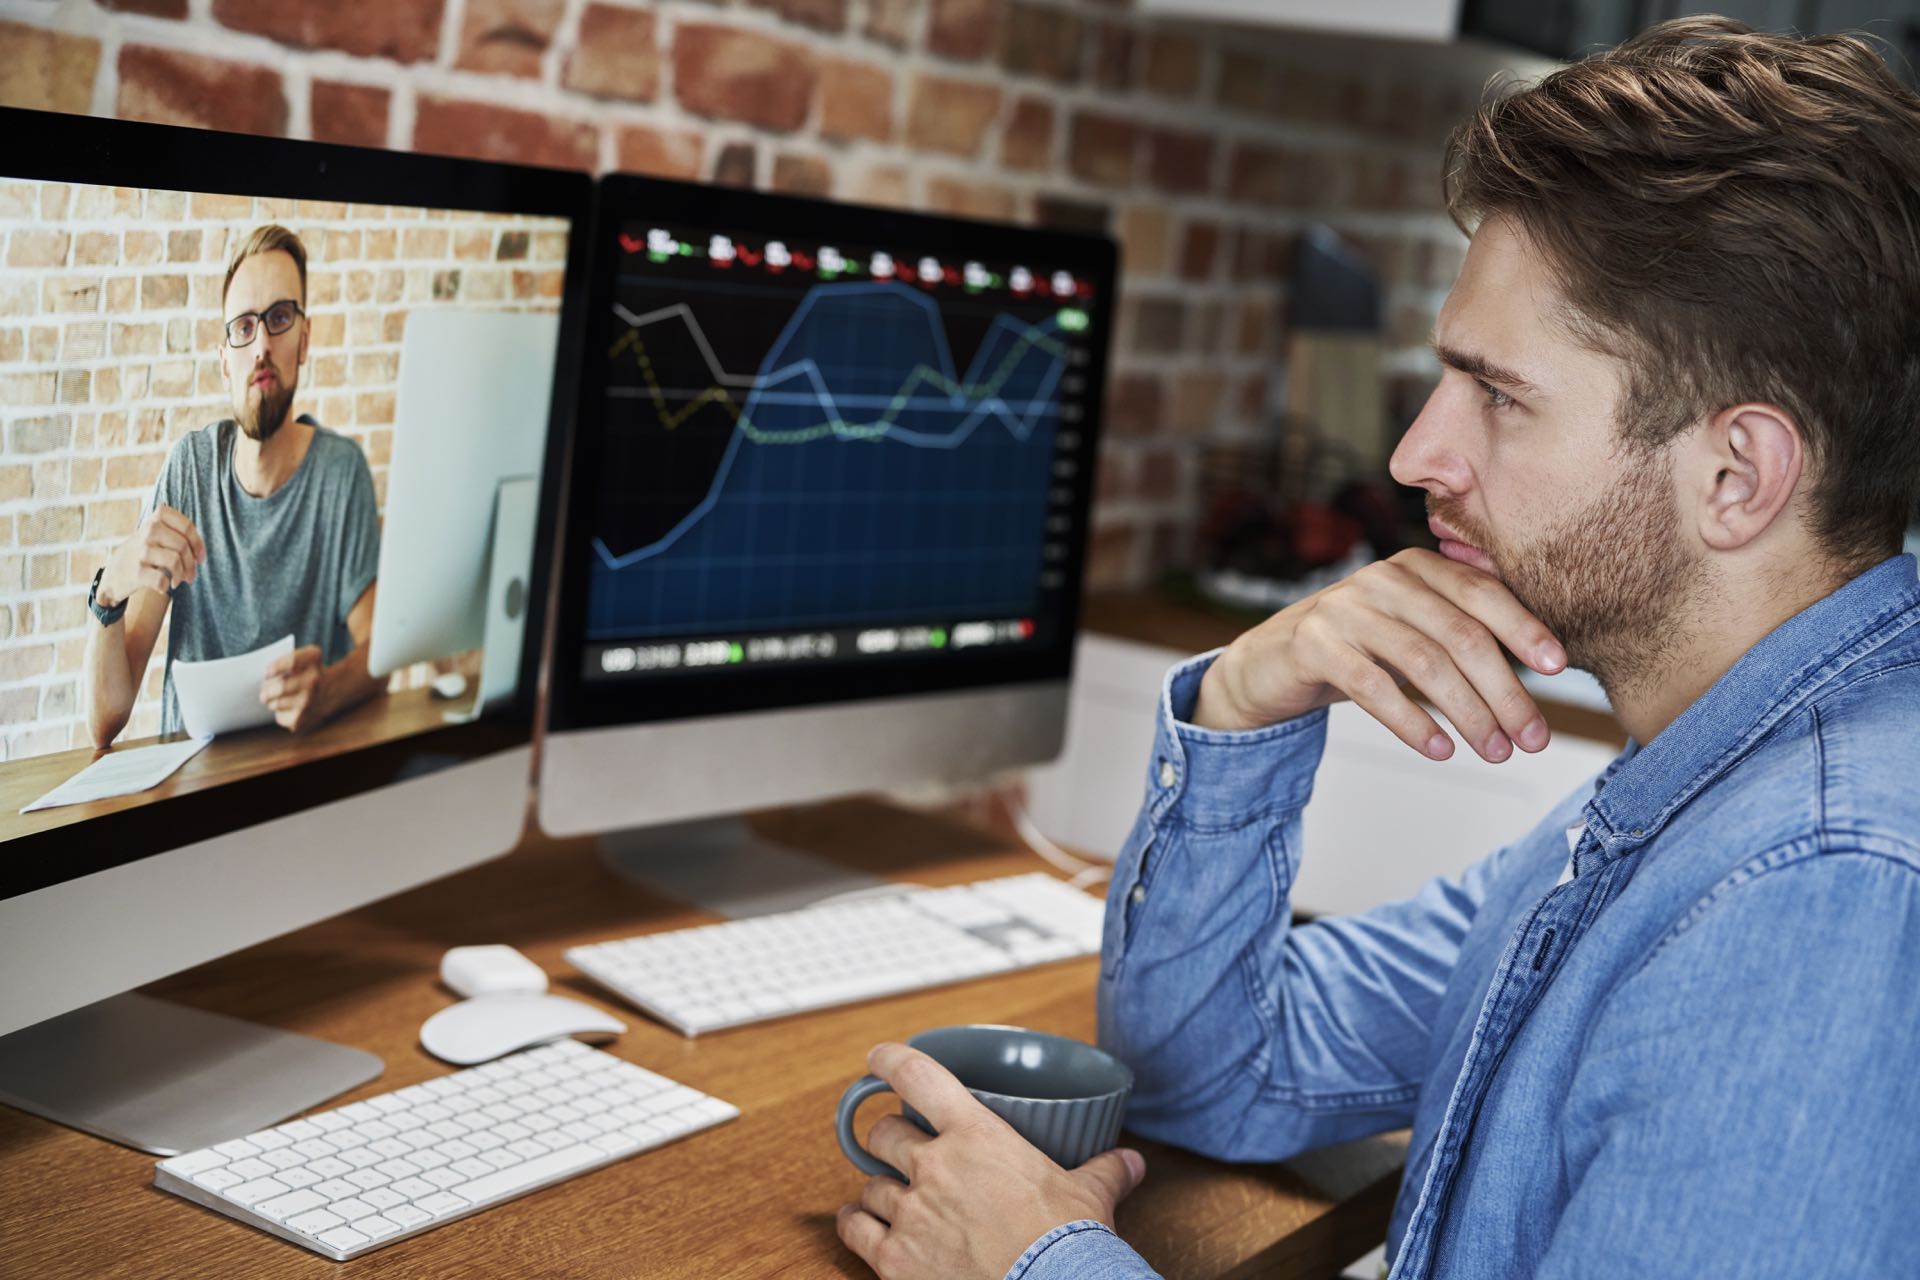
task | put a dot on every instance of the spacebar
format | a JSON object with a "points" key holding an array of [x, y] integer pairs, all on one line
{"points": [[521, 1176]]}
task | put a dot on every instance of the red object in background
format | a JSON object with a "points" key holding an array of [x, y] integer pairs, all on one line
{"points": [[632, 244], [1319, 534]]}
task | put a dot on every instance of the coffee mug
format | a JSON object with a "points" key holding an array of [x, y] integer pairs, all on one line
{"points": [[1065, 1097]]}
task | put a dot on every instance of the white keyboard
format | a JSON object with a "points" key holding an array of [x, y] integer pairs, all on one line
{"points": [[742, 971], [367, 1174]]}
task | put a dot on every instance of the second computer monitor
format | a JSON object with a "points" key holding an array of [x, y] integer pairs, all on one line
{"points": [[828, 503]]}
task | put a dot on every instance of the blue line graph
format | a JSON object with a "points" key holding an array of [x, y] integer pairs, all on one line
{"points": [[847, 492]]}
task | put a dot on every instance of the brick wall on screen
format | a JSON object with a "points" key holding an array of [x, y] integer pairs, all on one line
{"points": [[1204, 150], [109, 341]]}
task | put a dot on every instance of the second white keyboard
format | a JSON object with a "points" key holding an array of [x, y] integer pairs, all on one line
{"points": [[358, 1177], [743, 971]]}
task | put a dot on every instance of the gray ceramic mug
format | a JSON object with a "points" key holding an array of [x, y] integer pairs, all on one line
{"points": [[1062, 1095]]}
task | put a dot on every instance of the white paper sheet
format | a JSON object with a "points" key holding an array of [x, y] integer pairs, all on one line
{"points": [[121, 773], [222, 695]]}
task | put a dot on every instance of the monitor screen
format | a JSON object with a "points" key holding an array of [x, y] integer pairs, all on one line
{"points": [[266, 450], [831, 451]]}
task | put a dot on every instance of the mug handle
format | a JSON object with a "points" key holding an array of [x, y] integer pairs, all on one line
{"points": [[858, 1092]]}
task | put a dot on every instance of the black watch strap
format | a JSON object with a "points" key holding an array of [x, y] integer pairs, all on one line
{"points": [[106, 617]]}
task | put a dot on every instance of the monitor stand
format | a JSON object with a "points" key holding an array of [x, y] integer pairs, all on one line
{"points": [[721, 865], [166, 1078]]}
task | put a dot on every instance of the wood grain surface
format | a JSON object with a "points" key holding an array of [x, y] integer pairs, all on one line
{"points": [[753, 1198]]}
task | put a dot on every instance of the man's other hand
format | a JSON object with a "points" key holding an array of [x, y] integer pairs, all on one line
{"points": [[978, 1194], [292, 689], [1443, 627], [163, 552]]}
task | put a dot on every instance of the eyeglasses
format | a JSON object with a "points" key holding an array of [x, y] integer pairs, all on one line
{"points": [[278, 318]]}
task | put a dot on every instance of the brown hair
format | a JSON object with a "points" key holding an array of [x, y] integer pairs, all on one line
{"points": [[1736, 216], [272, 238]]}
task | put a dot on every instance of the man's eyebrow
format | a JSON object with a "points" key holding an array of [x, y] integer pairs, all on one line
{"points": [[1481, 367]]}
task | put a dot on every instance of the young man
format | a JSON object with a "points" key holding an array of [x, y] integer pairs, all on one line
{"points": [[259, 527], [1672, 1030]]}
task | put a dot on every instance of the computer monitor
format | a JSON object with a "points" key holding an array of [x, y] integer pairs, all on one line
{"points": [[137, 375], [827, 513]]}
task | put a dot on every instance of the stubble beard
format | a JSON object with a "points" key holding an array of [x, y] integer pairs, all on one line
{"points": [[1613, 581]]}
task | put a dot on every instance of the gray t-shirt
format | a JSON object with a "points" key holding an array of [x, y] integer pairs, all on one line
{"points": [[295, 562]]}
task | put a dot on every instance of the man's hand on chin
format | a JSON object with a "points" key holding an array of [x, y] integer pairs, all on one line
{"points": [[979, 1193], [292, 688]]}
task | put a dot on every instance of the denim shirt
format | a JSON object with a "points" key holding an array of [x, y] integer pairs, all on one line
{"points": [[1674, 1030]]}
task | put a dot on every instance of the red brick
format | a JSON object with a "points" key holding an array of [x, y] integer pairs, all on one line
{"points": [[965, 29], [618, 55], [969, 197], [152, 8], [510, 35], [825, 15], [1155, 324], [1101, 148], [856, 101], [802, 175], [1246, 82], [1196, 400], [1172, 64], [1256, 325], [885, 185], [950, 115], [1134, 404], [1110, 558], [170, 87], [1069, 214], [735, 166], [1027, 142], [1114, 481], [1146, 241], [1110, 55], [1042, 42], [743, 75], [1160, 475], [47, 70], [666, 153], [1279, 178], [355, 114], [1199, 250], [1179, 162], [404, 30], [486, 132], [892, 22]]}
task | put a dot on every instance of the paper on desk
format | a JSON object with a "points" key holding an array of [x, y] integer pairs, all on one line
{"points": [[223, 694], [121, 773]]}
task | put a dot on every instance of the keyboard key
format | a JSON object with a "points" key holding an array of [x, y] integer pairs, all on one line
{"points": [[252, 1193], [530, 1173], [406, 1215], [317, 1221], [280, 1208], [331, 1167], [237, 1148], [194, 1162], [442, 1203], [336, 1188], [376, 1227], [297, 1178], [251, 1167], [218, 1179], [351, 1209], [414, 1188], [343, 1238], [385, 1199]]}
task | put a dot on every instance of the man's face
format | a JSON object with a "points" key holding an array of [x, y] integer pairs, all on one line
{"points": [[263, 375], [1528, 477]]}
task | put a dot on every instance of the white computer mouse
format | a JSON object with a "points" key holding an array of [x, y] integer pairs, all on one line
{"points": [[485, 1027]]}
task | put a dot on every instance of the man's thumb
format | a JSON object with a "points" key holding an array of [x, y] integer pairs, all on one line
{"points": [[1112, 1175]]}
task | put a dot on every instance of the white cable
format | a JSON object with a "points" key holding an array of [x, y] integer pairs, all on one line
{"points": [[1082, 872]]}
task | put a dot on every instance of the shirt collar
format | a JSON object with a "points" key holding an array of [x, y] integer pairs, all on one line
{"points": [[1773, 679]]}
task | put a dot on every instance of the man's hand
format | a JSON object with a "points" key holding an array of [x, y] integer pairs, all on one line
{"points": [[293, 688], [163, 552], [1442, 626], [979, 1193]]}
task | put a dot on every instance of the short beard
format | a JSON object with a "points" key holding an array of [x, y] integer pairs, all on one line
{"points": [[1613, 581], [268, 418]]}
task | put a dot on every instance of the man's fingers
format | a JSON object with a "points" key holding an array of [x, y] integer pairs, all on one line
{"points": [[1375, 692], [179, 523], [1112, 1175], [897, 1140], [172, 561], [1488, 599], [153, 580], [925, 1085], [881, 1198], [861, 1232], [1430, 667], [1478, 654]]}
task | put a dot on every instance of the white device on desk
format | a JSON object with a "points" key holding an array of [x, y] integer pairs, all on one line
{"points": [[485, 1027], [726, 975], [94, 904], [348, 1181]]}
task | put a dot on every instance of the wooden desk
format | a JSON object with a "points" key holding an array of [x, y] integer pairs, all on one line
{"points": [[753, 1198], [226, 759], [1151, 618]]}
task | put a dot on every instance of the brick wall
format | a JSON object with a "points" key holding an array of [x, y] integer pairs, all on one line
{"points": [[109, 352], [1203, 149]]}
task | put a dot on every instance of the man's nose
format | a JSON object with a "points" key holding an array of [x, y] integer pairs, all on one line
{"points": [[1429, 455]]}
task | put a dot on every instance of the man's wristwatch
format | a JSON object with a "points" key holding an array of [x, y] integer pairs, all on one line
{"points": [[106, 617]]}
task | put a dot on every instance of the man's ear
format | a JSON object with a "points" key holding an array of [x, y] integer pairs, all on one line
{"points": [[1750, 462]]}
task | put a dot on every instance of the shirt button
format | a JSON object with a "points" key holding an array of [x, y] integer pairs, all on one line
{"points": [[1139, 894], [1167, 774]]}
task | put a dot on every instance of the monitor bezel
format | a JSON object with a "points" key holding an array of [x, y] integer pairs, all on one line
{"points": [[49, 146], [578, 703]]}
